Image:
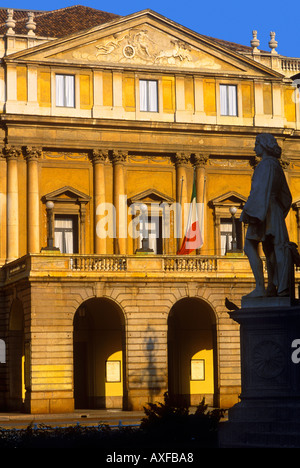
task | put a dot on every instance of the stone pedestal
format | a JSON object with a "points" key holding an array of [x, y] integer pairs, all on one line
{"points": [[268, 414]]}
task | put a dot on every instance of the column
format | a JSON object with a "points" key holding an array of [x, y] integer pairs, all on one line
{"points": [[3, 191], [181, 162], [12, 155], [99, 157], [200, 161], [32, 156], [119, 201]]}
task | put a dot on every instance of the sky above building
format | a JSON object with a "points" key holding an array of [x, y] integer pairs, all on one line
{"points": [[232, 20]]}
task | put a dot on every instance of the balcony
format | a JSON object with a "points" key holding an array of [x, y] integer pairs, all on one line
{"points": [[49, 265]]}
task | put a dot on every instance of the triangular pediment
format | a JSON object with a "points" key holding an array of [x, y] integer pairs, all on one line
{"points": [[150, 196], [66, 194], [230, 198], [144, 39]]}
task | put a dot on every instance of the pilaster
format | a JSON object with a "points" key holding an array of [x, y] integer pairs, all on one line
{"points": [[119, 159], [12, 155], [32, 156], [99, 157]]}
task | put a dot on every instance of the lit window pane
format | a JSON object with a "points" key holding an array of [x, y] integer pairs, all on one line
{"points": [[65, 91], [228, 100], [148, 96]]}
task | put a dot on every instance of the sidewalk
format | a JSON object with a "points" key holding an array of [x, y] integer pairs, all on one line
{"points": [[113, 417]]}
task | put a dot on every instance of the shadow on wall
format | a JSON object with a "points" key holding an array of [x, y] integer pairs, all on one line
{"points": [[152, 378]]}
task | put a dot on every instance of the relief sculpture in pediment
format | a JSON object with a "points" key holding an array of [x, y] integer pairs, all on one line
{"points": [[146, 45]]}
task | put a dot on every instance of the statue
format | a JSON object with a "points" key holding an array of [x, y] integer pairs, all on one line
{"points": [[265, 211]]}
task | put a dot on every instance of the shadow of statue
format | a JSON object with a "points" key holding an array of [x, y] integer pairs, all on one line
{"points": [[152, 377]]}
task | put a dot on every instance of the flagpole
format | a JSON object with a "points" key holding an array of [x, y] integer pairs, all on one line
{"points": [[202, 207], [180, 218]]}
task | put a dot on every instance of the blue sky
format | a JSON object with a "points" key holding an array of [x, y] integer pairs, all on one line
{"points": [[230, 20]]}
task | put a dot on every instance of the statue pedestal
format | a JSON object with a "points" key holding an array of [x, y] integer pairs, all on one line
{"points": [[268, 415]]}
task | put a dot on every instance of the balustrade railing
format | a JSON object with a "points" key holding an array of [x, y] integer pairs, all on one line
{"points": [[98, 263], [290, 64], [190, 263]]}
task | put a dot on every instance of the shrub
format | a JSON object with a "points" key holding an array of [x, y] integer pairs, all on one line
{"points": [[175, 424]]}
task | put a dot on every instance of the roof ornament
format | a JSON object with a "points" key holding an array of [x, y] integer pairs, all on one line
{"points": [[273, 44], [10, 22], [255, 42], [30, 25]]}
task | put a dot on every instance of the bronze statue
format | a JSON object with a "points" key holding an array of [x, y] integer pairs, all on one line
{"points": [[265, 211]]}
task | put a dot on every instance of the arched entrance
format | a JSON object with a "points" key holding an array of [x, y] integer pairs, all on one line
{"points": [[192, 352], [16, 356], [99, 352]]}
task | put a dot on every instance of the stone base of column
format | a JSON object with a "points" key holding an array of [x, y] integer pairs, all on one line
{"points": [[268, 413], [42, 403]]}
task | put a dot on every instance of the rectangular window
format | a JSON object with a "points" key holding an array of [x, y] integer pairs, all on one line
{"points": [[226, 231], [65, 234], [65, 91], [228, 100], [148, 96], [153, 231]]}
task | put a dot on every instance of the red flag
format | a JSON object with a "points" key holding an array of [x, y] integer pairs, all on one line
{"points": [[193, 238]]}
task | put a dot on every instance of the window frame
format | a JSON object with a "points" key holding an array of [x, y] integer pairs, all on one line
{"points": [[64, 91], [63, 230], [227, 112], [147, 95]]}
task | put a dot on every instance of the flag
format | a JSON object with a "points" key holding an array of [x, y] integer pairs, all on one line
{"points": [[193, 238]]}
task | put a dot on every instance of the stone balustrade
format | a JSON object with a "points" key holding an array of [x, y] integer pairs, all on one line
{"points": [[290, 64], [52, 264]]}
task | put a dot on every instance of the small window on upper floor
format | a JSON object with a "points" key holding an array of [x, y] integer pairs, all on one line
{"points": [[2, 352], [228, 100], [65, 91], [66, 233], [148, 96]]}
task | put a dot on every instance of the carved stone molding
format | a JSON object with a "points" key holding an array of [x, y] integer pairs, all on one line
{"points": [[119, 156], [284, 163], [99, 156], [200, 159], [32, 153], [182, 159], [11, 152], [268, 359]]}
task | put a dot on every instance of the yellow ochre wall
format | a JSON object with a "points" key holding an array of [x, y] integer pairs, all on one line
{"points": [[170, 98]]}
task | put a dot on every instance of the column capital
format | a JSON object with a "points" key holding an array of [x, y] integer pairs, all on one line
{"points": [[32, 153], [11, 152], [99, 156], [119, 156], [200, 159], [182, 158], [284, 162]]}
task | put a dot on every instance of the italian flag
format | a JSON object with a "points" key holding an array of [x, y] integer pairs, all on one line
{"points": [[193, 238]]}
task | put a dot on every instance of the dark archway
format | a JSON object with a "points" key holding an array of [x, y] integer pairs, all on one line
{"points": [[192, 352], [99, 355]]}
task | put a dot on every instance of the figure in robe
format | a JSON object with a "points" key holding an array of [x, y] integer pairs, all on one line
{"points": [[265, 211]]}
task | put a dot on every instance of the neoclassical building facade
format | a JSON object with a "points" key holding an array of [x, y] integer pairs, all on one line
{"points": [[101, 119]]}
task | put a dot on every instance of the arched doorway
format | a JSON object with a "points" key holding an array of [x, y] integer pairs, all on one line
{"points": [[99, 354], [16, 356], [192, 352]]}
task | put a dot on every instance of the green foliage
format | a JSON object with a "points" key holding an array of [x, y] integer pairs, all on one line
{"points": [[174, 423]]}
